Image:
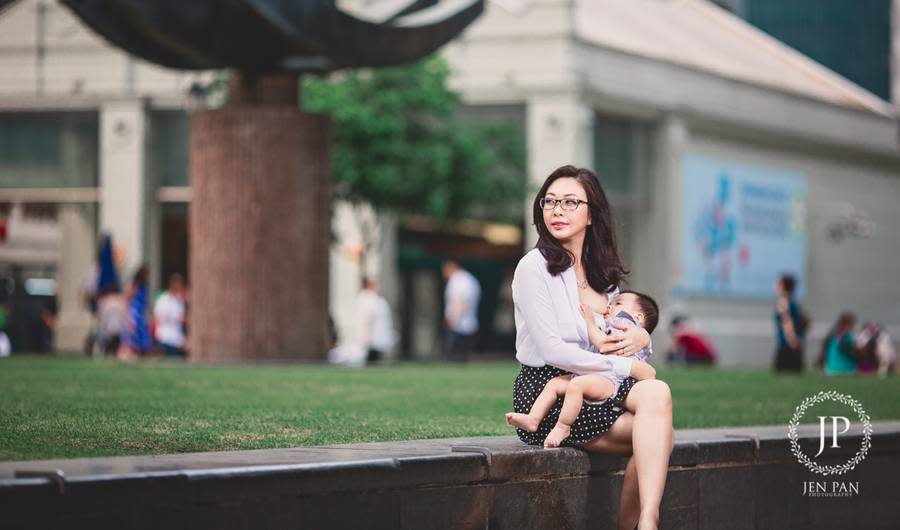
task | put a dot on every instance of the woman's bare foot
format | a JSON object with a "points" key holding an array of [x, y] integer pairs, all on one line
{"points": [[557, 435], [523, 421]]}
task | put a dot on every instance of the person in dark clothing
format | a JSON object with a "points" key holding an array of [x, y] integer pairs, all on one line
{"points": [[790, 326]]}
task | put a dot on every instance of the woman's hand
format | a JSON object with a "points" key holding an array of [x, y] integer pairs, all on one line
{"points": [[782, 306], [632, 340]]}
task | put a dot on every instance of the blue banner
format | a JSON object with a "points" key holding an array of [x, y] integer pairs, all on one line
{"points": [[743, 226]]}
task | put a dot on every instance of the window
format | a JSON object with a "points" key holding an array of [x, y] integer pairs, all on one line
{"points": [[619, 154]]}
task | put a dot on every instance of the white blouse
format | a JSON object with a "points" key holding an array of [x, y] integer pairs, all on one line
{"points": [[549, 326]]}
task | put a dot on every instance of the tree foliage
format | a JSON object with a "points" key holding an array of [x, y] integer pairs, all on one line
{"points": [[398, 144]]}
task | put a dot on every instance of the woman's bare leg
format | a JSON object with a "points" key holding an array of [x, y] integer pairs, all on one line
{"points": [[652, 438], [542, 404], [652, 441], [617, 441], [629, 499]]}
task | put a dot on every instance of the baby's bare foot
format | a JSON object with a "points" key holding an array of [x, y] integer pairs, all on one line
{"points": [[557, 435], [522, 421]]}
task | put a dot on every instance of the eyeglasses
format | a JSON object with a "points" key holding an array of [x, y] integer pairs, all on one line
{"points": [[566, 204]]}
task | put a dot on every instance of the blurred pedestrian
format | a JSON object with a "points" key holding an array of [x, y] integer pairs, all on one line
{"points": [[112, 310], [689, 345], [876, 349], [111, 307], [47, 324], [5, 345], [838, 354], [169, 317], [376, 326], [790, 326], [461, 297], [137, 339]]}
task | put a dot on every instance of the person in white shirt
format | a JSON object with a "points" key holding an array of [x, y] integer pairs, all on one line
{"points": [[461, 297], [574, 262], [376, 332], [169, 315]]}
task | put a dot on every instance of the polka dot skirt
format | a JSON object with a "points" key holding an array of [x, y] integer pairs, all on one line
{"points": [[592, 421]]}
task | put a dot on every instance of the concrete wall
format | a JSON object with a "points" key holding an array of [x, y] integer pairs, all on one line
{"points": [[857, 274], [729, 478]]}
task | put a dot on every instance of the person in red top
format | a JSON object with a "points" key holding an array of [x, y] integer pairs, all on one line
{"points": [[689, 345]]}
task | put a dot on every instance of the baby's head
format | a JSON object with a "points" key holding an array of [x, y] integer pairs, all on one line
{"points": [[643, 308]]}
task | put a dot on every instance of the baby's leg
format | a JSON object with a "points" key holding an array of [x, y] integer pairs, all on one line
{"points": [[594, 387], [541, 407]]}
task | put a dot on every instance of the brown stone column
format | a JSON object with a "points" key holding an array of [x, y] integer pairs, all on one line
{"points": [[259, 226]]}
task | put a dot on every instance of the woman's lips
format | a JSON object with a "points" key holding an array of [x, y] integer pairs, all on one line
{"points": [[557, 226]]}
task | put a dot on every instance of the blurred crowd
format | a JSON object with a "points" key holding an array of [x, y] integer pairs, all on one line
{"points": [[129, 323], [844, 350]]}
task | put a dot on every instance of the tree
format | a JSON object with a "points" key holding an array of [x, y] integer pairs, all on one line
{"points": [[398, 145]]}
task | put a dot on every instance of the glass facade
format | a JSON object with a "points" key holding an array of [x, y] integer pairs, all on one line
{"points": [[169, 137], [619, 154], [49, 150], [851, 37]]}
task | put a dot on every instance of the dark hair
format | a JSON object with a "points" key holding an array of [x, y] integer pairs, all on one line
{"points": [[649, 307], [845, 319], [141, 276], [600, 253], [788, 283], [175, 276]]}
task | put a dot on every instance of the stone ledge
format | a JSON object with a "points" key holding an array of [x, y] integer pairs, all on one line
{"points": [[395, 484]]}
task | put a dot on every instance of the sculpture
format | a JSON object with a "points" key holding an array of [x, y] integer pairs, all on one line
{"points": [[261, 36]]}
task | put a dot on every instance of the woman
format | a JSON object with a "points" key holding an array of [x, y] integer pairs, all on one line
{"points": [[576, 261]]}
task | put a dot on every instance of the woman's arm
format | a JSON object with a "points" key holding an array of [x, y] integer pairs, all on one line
{"points": [[531, 294], [787, 323]]}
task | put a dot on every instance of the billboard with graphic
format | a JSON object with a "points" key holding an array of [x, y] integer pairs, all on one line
{"points": [[743, 226]]}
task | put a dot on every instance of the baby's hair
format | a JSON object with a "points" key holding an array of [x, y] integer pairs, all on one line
{"points": [[649, 307]]}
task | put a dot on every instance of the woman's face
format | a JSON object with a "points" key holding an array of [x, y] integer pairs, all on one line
{"points": [[563, 224]]}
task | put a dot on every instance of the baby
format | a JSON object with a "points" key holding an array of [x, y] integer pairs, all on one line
{"points": [[629, 308]]}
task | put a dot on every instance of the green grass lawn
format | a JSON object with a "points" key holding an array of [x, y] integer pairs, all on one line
{"points": [[58, 407]]}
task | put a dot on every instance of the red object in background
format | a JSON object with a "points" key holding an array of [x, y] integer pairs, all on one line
{"points": [[695, 347], [744, 255], [2, 229]]}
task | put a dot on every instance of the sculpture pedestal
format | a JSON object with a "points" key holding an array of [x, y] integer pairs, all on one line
{"points": [[259, 229]]}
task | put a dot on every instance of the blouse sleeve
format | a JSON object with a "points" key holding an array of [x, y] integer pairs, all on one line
{"points": [[532, 295]]}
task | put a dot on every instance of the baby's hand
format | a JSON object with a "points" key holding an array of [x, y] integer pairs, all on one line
{"points": [[595, 335], [641, 370]]}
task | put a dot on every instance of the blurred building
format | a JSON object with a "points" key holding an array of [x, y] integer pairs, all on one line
{"points": [[850, 37], [728, 157]]}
